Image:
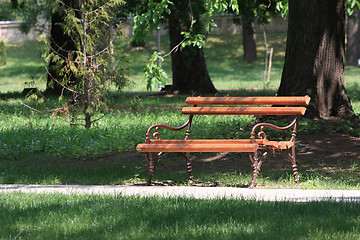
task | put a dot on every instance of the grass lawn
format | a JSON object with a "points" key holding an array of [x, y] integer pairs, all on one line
{"points": [[29, 216]]}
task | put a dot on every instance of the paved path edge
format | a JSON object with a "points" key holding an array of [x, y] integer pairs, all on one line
{"points": [[296, 195]]}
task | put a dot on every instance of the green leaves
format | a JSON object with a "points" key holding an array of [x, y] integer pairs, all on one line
{"points": [[283, 8], [196, 40], [145, 23], [351, 5], [153, 73]]}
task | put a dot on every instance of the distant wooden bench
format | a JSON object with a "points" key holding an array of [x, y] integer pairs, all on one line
{"points": [[257, 145]]}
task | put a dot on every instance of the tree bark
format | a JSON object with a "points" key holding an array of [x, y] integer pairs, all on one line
{"points": [[353, 39], [249, 40], [190, 74], [314, 60], [62, 45]]}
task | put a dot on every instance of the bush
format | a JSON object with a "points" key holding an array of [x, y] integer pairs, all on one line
{"points": [[2, 54]]}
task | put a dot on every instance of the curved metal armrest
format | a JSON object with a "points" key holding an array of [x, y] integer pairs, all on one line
{"points": [[261, 133], [157, 135]]}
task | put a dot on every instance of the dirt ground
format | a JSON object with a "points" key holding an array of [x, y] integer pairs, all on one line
{"points": [[321, 152]]}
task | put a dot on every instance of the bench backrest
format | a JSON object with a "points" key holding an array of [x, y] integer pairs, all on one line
{"points": [[260, 109]]}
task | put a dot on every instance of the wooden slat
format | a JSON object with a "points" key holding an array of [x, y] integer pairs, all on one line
{"points": [[279, 144], [293, 100], [274, 144], [205, 141], [196, 147], [244, 110]]}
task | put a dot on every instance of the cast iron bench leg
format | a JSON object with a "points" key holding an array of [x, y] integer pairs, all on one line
{"points": [[294, 165], [257, 161], [188, 165], [152, 159], [255, 164]]}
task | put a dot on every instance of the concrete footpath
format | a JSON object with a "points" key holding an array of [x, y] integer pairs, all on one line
{"points": [[296, 195]]}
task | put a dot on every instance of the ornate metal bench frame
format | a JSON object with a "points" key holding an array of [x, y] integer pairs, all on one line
{"points": [[258, 146]]}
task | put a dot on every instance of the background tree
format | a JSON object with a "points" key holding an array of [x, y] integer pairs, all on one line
{"points": [[187, 34], [251, 12], [353, 34], [7, 11], [36, 14], [314, 61], [62, 44], [190, 74], [131, 9], [92, 61]]}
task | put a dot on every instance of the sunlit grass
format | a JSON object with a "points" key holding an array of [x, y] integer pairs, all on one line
{"points": [[23, 65]]}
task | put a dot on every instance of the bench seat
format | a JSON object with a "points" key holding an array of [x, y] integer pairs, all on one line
{"points": [[211, 145]]}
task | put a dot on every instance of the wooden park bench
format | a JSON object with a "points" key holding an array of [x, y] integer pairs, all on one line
{"points": [[257, 145]]}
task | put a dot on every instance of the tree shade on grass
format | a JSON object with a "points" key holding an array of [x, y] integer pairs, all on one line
{"points": [[30, 216]]}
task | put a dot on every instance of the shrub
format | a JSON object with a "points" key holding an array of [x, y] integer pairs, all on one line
{"points": [[2, 54]]}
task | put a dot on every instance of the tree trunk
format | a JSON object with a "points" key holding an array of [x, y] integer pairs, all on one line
{"points": [[190, 74], [314, 61], [62, 45], [353, 39], [249, 40]]}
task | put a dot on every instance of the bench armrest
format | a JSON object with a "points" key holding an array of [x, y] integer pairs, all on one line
{"points": [[157, 135], [262, 135]]}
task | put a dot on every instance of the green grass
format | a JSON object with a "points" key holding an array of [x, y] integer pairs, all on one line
{"points": [[30, 216], [23, 65], [65, 153]]}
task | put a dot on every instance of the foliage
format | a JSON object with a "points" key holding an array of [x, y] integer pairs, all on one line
{"points": [[351, 5], [6, 13], [258, 11], [283, 8], [32, 14], [148, 21], [3, 56], [154, 73], [93, 63]]}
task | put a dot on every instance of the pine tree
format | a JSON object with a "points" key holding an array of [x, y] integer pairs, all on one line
{"points": [[92, 64]]}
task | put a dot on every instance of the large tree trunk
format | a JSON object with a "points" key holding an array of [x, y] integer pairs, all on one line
{"points": [[190, 75], [249, 40], [314, 61], [62, 45], [353, 39]]}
